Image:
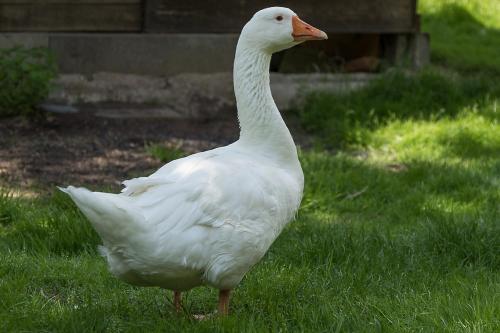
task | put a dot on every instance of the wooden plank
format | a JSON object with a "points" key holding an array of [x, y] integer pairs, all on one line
{"points": [[71, 16], [72, 2], [229, 16], [143, 54]]}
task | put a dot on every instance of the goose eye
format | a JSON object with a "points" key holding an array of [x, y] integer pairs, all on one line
{"points": [[279, 18]]}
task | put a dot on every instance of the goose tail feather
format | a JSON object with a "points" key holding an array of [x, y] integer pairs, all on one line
{"points": [[113, 216]]}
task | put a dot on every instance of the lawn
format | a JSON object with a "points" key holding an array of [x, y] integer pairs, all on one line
{"points": [[399, 229]]}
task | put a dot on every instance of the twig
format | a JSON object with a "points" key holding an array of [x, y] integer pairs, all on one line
{"points": [[356, 194]]}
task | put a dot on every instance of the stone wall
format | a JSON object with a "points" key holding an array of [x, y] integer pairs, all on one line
{"points": [[199, 96]]}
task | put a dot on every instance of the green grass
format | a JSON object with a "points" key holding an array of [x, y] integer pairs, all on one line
{"points": [[348, 120], [464, 33], [373, 249], [399, 229], [402, 238], [164, 153]]}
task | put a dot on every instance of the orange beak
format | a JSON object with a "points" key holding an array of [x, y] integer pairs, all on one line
{"points": [[303, 31]]}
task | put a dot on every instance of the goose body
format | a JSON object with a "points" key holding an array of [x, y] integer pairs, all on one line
{"points": [[203, 219], [209, 217]]}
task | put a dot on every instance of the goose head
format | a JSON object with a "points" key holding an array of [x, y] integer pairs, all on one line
{"points": [[277, 28]]}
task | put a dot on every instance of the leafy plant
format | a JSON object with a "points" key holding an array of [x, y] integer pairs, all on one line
{"points": [[26, 76]]}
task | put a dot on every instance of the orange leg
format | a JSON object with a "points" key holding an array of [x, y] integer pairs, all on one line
{"points": [[224, 302], [177, 301]]}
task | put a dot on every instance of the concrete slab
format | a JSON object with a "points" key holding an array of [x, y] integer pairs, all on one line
{"points": [[9, 40], [190, 96]]}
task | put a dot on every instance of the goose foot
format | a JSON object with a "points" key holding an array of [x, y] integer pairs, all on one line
{"points": [[224, 302], [177, 302]]}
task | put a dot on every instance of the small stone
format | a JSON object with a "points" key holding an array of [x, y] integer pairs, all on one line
{"points": [[55, 108]]}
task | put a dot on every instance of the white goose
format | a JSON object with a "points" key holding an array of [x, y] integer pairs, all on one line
{"points": [[209, 217]]}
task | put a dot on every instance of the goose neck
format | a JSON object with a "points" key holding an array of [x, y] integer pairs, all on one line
{"points": [[260, 121]]}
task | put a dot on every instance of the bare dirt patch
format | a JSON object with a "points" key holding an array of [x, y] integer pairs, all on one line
{"points": [[85, 150]]}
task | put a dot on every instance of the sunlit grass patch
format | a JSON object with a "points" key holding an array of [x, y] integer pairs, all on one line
{"points": [[344, 121], [486, 11], [465, 33], [471, 135]]}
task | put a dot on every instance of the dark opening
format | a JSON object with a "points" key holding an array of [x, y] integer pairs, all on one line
{"points": [[341, 53]]}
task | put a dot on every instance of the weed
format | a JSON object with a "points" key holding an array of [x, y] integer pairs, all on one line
{"points": [[26, 79]]}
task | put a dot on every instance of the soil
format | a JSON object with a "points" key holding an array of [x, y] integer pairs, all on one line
{"points": [[85, 149]]}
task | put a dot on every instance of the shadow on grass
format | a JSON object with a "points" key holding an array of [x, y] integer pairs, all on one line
{"points": [[45, 225], [429, 217], [467, 145], [343, 186], [438, 243]]}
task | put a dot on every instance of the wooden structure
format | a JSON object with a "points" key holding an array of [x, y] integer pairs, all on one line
{"points": [[334, 16], [193, 16], [93, 29], [71, 15]]}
